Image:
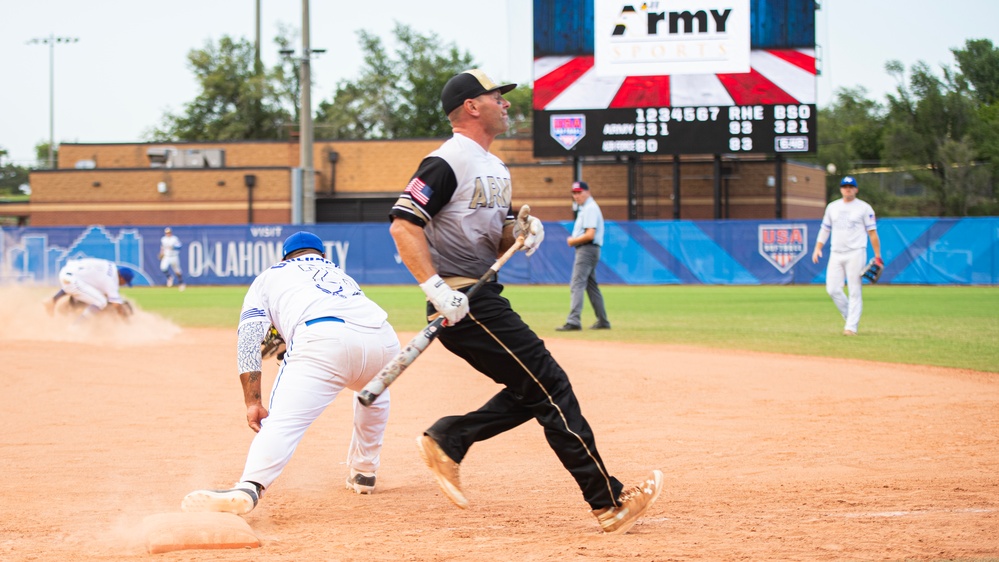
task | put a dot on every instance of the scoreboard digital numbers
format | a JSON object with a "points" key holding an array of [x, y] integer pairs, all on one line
{"points": [[788, 128]]}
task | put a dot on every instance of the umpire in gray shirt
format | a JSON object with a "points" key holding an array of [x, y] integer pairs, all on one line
{"points": [[587, 238]]}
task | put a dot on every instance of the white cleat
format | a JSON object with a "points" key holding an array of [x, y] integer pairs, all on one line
{"points": [[238, 500], [361, 482]]}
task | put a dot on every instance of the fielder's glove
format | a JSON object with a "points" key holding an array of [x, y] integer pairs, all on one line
{"points": [[533, 232], [273, 344], [872, 271], [126, 309]]}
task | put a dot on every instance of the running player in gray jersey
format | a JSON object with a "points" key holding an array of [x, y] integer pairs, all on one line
{"points": [[450, 224]]}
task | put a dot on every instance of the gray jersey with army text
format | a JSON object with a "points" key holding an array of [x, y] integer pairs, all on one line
{"points": [[461, 196]]}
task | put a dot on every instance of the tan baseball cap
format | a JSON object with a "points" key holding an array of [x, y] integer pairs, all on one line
{"points": [[469, 85]]}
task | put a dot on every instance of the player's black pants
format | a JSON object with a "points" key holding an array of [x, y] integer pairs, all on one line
{"points": [[494, 340]]}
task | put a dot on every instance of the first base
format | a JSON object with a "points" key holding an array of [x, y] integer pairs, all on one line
{"points": [[165, 532]]}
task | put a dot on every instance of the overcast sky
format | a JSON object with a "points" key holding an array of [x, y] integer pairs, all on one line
{"points": [[129, 66]]}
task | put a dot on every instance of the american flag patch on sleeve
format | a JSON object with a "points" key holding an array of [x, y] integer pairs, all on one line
{"points": [[419, 191]]}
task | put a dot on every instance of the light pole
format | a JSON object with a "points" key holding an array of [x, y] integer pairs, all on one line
{"points": [[305, 136], [51, 41]]}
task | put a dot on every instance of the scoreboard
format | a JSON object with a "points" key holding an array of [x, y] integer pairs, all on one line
{"points": [[782, 128], [613, 77]]}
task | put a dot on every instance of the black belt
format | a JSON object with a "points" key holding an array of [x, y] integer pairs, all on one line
{"points": [[588, 244], [324, 319]]}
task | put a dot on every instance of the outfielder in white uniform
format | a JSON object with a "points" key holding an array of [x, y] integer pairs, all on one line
{"points": [[851, 222], [170, 259], [337, 338], [95, 282]]}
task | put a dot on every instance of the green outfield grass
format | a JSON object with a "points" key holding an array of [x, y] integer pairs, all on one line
{"points": [[943, 326]]}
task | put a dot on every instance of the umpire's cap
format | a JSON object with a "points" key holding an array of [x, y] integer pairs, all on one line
{"points": [[126, 273], [848, 181], [468, 85], [301, 240]]}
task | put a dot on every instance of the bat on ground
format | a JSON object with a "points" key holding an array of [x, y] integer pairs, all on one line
{"points": [[418, 344]]}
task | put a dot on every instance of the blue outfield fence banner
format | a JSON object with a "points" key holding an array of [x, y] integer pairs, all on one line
{"points": [[916, 251]]}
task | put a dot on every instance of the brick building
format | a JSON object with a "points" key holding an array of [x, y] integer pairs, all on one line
{"points": [[357, 181]]}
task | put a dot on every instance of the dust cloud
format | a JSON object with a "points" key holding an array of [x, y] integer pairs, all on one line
{"points": [[23, 317]]}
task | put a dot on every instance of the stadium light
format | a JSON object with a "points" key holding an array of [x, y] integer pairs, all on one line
{"points": [[305, 136], [51, 41]]}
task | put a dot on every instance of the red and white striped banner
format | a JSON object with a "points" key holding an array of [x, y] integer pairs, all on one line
{"points": [[776, 76]]}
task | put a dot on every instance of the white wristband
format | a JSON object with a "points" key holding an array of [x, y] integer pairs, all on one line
{"points": [[434, 286]]}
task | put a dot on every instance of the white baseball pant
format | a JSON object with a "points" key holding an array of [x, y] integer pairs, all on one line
{"points": [[847, 267], [170, 263], [82, 291], [322, 360]]}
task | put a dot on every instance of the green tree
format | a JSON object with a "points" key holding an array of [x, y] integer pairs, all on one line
{"points": [[849, 133], [930, 120], [937, 130], [235, 102], [521, 110], [966, 183], [42, 154], [397, 94], [12, 176], [364, 108], [286, 78], [979, 63]]}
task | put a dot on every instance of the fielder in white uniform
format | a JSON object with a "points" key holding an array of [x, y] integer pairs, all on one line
{"points": [[95, 282], [170, 258], [337, 338], [851, 222]]}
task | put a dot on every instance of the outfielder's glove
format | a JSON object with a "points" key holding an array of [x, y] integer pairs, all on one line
{"points": [[872, 271], [273, 344]]}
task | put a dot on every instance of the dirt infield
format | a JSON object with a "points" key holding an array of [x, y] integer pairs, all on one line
{"points": [[767, 457]]}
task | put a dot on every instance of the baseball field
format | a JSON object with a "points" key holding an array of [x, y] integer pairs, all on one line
{"points": [[780, 439]]}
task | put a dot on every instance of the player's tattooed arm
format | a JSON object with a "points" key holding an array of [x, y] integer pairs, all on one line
{"points": [[251, 334], [251, 386], [255, 410]]}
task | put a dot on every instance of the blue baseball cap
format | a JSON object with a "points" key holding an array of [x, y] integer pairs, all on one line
{"points": [[126, 273], [848, 181], [301, 240]]}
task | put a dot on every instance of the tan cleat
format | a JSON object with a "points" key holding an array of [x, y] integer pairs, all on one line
{"points": [[444, 468], [849, 333], [634, 503]]}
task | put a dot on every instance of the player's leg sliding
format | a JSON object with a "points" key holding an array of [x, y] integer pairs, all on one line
{"points": [[444, 468], [634, 502], [239, 500], [361, 482]]}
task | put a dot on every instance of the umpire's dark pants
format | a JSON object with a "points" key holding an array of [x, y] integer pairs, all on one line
{"points": [[494, 340]]}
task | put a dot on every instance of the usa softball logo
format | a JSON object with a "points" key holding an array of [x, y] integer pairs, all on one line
{"points": [[568, 129], [783, 245]]}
